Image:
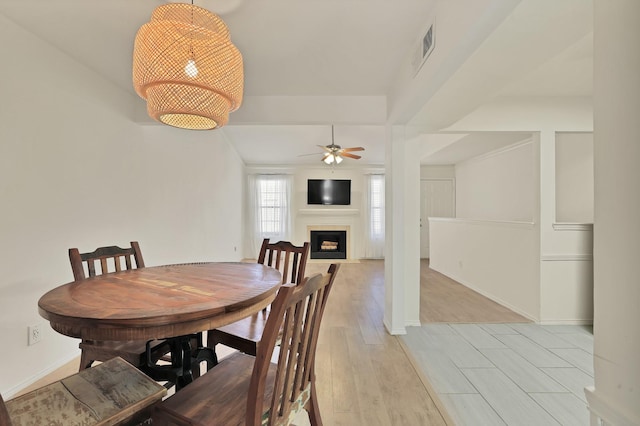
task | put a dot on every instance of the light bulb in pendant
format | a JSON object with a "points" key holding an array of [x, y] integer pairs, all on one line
{"points": [[190, 69]]}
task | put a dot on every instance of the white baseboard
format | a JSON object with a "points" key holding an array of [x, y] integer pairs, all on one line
{"points": [[603, 413], [394, 331], [413, 323], [575, 257], [567, 322]]}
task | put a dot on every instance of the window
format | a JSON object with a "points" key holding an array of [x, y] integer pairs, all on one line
{"points": [[272, 202], [269, 209], [374, 201], [376, 191]]}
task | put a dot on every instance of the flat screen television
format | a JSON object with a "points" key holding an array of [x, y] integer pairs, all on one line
{"points": [[329, 191]]}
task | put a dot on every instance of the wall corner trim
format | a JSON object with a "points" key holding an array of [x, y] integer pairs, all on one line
{"points": [[601, 409], [572, 257], [573, 226], [507, 223]]}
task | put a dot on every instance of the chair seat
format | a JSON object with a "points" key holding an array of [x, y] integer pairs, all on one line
{"points": [[132, 351], [219, 397], [247, 390], [242, 335], [111, 393], [245, 334]]}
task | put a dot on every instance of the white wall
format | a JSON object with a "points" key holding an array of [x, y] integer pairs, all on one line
{"points": [[497, 259], [521, 189], [492, 246], [75, 171], [196, 189], [566, 250], [504, 193], [437, 172], [566, 288], [617, 210], [498, 185], [574, 177]]}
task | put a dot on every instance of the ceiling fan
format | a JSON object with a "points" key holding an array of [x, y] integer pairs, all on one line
{"points": [[335, 153]]}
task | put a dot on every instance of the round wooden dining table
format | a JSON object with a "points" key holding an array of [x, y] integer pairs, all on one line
{"points": [[160, 301]]}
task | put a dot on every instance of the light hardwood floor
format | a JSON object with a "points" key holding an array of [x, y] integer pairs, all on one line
{"points": [[365, 376], [445, 300]]}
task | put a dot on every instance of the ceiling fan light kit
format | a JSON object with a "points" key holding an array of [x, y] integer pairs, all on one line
{"points": [[332, 158], [186, 67], [335, 153]]}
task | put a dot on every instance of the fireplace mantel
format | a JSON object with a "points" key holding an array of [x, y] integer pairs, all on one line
{"points": [[339, 218], [329, 212]]}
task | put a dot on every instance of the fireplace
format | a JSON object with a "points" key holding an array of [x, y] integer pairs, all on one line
{"points": [[327, 244]]}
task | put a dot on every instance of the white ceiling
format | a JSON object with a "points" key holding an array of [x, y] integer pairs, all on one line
{"points": [[255, 143], [452, 148], [342, 49]]}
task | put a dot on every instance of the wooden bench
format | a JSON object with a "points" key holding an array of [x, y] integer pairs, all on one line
{"points": [[111, 393]]}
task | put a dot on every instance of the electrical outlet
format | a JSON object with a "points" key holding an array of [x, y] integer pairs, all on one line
{"points": [[34, 334]]}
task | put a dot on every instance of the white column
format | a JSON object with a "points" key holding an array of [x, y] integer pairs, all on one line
{"points": [[615, 398], [549, 287], [411, 229], [402, 246], [393, 294]]}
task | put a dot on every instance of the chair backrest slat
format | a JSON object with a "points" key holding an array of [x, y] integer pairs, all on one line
{"points": [[296, 316], [301, 379], [91, 264], [290, 260], [103, 255], [103, 265]]}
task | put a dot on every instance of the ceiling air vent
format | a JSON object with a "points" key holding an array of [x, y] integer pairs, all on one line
{"points": [[423, 48]]}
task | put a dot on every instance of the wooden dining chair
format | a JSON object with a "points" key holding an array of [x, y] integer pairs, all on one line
{"points": [[102, 261], [111, 393], [243, 390], [243, 335], [142, 354]]}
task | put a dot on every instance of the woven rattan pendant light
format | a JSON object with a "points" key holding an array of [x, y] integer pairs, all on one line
{"points": [[186, 67]]}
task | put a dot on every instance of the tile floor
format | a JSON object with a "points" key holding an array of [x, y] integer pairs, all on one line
{"points": [[507, 374]]}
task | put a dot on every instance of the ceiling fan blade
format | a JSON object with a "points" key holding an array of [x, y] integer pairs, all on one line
{"points": [[346, 154], [355, 148], [325, 156], [326, 148]]}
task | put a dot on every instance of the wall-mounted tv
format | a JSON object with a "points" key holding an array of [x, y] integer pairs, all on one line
{"points": [[329, 191]]}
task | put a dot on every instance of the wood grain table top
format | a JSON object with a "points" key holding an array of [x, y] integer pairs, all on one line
{"points": [[159, 302]]}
